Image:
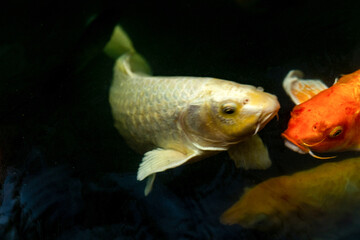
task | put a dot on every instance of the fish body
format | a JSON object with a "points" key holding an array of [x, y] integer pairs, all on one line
{"points": [[323, 201], [326, 119], [175, 120], [169, 111]]}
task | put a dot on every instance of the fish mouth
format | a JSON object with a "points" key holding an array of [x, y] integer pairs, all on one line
{"points": [[262, 121], [265, 119], [264, 106], [291, 144], [294, 146]]}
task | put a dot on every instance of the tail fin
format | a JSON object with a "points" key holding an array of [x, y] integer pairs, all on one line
{"points": [[120, 46]]}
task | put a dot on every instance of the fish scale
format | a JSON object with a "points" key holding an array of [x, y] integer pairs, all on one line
{"points": [[157, 104]]}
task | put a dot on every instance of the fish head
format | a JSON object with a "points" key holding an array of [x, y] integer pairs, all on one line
{"points": [[231, 112], [328, 122], [257, 209], [243, 111]]}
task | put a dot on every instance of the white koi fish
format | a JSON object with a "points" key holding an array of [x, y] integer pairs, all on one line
{"points": [[176, 120]]}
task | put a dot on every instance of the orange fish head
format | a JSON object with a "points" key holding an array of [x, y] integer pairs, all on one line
{"points": [[326, 123]]}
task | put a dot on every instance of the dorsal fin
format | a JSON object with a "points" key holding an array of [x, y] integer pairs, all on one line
{"points": [[352, 77], [132, 63], [119, 43], [301, 90], [121, 48]]}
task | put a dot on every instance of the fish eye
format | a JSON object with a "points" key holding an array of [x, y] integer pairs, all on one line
{"points": [[336, 131], [228, 108]]}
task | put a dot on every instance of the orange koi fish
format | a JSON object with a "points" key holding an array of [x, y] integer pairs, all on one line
{"points": [[320, 202], [325, 119]]}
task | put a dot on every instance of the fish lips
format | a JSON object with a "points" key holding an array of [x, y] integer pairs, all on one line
{"points": [[293, 145]]}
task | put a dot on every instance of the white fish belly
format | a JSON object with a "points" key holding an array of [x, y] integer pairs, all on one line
{"points": [[146, 109]]}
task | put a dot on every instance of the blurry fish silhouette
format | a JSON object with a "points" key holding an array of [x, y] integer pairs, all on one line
{"points": [[326, 119], [174, 120], [313, 203]]}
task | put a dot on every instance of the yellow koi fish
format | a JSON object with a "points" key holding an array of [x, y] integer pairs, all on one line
{"points": [[314, 203], [175, 120]]}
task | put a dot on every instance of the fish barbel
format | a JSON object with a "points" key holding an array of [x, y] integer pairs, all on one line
{"points": [[174, 120]]}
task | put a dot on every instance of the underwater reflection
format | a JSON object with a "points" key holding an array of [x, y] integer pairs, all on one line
{"points": [[316, 203]]}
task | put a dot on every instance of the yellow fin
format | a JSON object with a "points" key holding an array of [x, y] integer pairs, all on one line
{"points": [[130, 64], [149, 184], [159, 160], [301, 90], [119, 45], [250, 154]]}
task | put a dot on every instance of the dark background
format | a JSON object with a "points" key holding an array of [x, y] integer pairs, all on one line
{"points": [[65, 171]]}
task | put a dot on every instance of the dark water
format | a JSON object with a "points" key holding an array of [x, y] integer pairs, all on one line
{"points": [[66, 172]]}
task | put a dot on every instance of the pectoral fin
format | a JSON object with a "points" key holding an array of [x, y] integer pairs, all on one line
{"points": [[250, 154], [301, 90], [159, 160], [149, 184]]}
